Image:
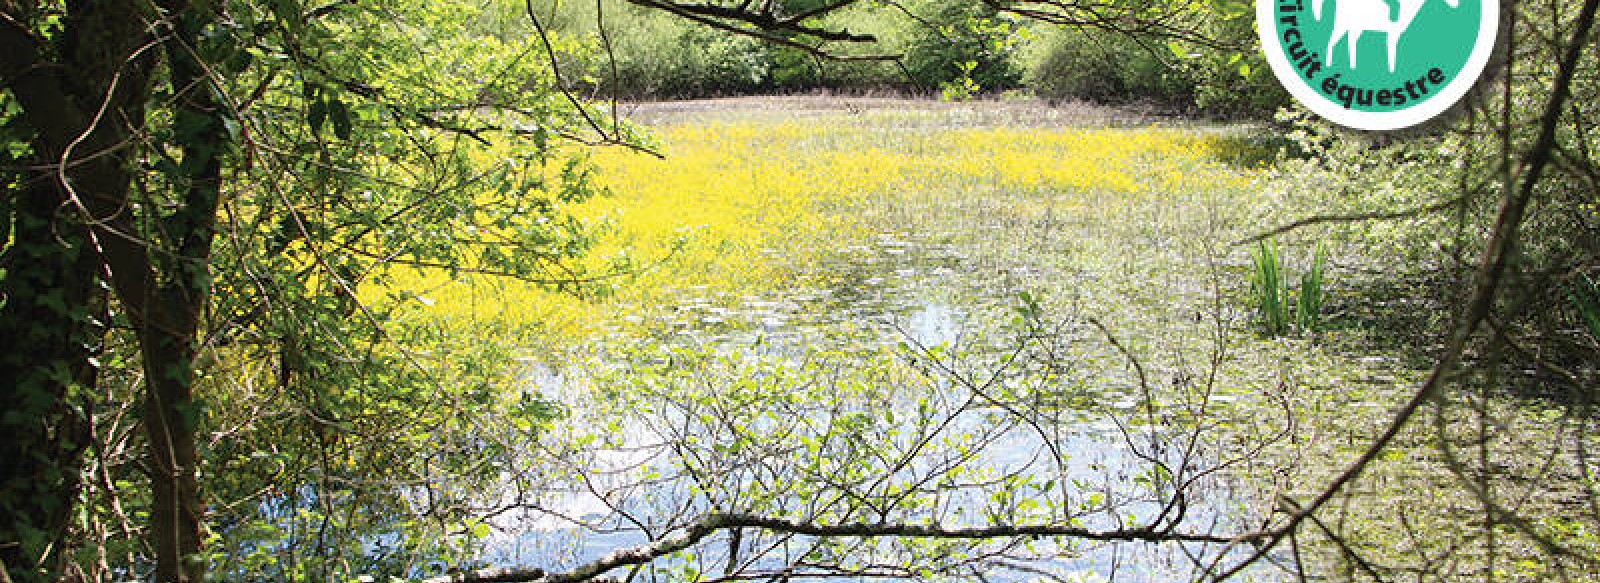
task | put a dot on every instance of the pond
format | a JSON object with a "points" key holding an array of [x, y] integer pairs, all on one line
{"points": [[983, 410]]}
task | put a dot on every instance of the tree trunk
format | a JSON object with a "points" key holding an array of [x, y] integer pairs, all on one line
{"points": [[80, 91], [170, 420], [168, 313], [83, 93], [49, 332]]}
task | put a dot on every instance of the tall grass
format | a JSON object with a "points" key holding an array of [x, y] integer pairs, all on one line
{"points": [[1277, 309], [1267, 289], [1308, 306]]}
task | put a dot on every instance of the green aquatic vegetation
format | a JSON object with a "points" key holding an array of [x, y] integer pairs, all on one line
{"points": [[1279, 308], [1268, 293], [1308, 304]]}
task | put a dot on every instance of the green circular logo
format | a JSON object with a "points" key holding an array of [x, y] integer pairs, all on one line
{"points": [[1378, 64]]}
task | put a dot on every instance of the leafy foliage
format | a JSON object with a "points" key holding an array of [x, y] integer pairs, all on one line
{"points": [[409, 137], [962, 45], [1586, 302], [327, 149], [269, 173], [1107, 67]]}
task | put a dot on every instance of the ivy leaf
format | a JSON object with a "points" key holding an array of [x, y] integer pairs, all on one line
{"points": [[339, 114], [191, 412], [317, 114], [240, 60]]}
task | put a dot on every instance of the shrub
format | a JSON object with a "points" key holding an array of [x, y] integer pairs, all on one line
{"points": [[1234, 84], [959, 44], [1108, 67], [1585, 297], [662, 57]]}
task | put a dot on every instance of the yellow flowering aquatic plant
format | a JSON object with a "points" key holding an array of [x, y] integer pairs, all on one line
{"points": [[741, 205]]}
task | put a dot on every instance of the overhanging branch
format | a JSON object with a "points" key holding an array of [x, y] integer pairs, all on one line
{"points": [[765, 18], [712, 523], [766, 24]]}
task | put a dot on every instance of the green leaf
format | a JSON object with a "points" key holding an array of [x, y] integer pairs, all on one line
{"points": [[339, 114], [190, 412], [240, 60], [189, 126], [317, 115], [1177, 49], [231, 125]]}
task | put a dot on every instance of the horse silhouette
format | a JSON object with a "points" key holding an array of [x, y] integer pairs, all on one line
{"points": [[1353, 17]]}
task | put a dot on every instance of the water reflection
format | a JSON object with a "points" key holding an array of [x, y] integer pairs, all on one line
{"points": [[897, 292]]}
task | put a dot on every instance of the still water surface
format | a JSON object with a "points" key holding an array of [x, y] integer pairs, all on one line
{"points": [[901, 292]]}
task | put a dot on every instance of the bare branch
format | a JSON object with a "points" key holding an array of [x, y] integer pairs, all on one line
{"points": [[1355, 218], [712, 523], [763, 25], [764, 19]]}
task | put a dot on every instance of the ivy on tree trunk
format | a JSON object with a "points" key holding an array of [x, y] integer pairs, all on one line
{"points": [[83, 92]]}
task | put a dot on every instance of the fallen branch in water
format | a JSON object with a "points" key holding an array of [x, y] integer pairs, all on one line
{"points": [[694, 533]]}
